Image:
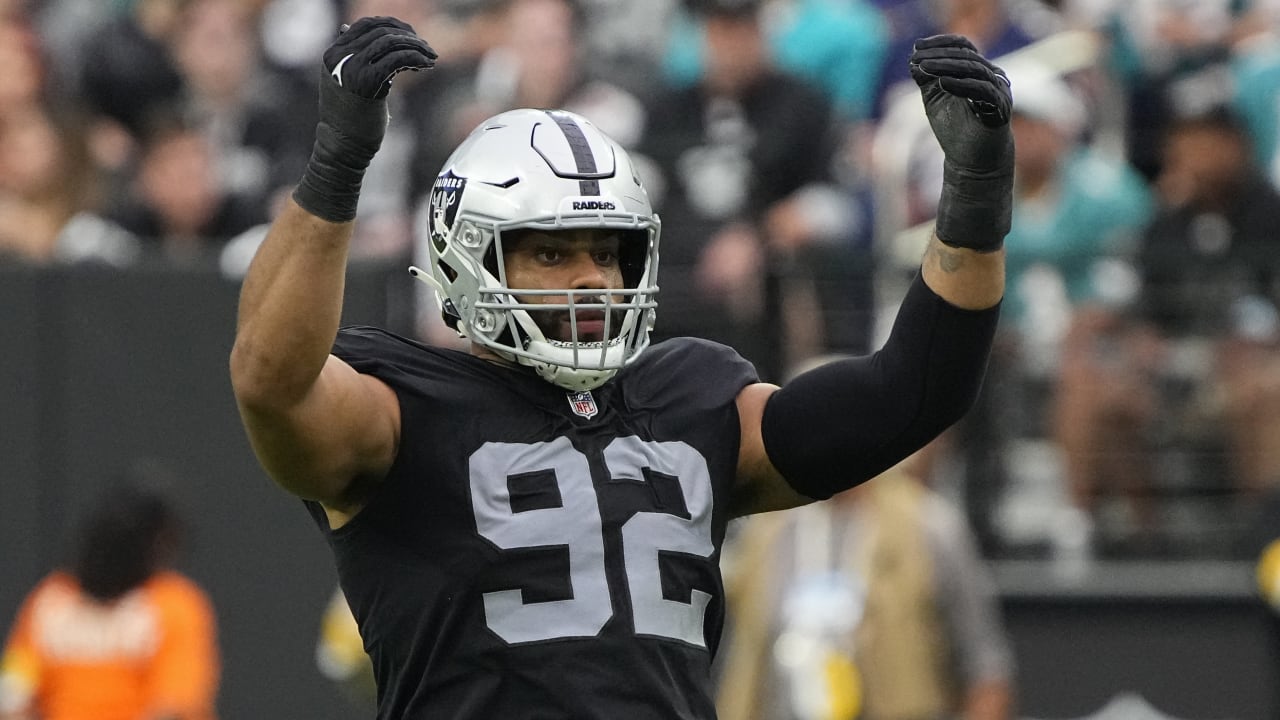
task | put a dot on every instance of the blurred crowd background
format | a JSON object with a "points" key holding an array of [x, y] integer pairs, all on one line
{"points": [[1136, 381], [1133, 402]]}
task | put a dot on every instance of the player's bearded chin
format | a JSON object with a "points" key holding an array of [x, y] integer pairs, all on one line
{"points": [[558, 324]]}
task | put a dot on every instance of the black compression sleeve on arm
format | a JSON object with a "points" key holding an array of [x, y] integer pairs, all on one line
{"points": [[846, 422]]}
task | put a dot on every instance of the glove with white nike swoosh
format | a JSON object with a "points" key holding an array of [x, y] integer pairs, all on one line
{"points": [[968, 101], [356, 75]]}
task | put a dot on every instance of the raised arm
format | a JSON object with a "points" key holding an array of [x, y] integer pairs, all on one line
{"points": [[847, 421], [317, 426], [968, 103]]}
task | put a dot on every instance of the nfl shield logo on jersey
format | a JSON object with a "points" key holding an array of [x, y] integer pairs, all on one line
{"points": [[583, 404]]}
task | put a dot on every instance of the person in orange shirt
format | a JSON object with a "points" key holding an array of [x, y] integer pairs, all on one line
{"points": [[117, 634]]}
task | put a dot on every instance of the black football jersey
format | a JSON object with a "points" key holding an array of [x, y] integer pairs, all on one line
{"points": [[536, 553]]}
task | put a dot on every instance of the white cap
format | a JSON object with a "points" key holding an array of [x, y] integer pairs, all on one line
{"points": [[1040, 93]]}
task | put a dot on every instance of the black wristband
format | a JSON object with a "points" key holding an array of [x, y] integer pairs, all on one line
{"points": [[348, 135], [975, 209], [330, 186]]}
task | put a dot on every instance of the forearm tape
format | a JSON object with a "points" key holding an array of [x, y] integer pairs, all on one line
{"points": [[347, 137], [975, 209], [845, 422]]}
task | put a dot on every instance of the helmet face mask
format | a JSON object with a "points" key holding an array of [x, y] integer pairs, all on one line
{"points": [[545, 171]]}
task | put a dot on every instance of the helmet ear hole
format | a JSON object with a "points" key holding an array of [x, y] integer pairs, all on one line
{"points": [[448, 311], [450, 315], [491, 259], [447, 271]]}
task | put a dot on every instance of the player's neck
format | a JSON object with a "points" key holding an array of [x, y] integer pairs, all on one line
{"points": [[485, 353]]}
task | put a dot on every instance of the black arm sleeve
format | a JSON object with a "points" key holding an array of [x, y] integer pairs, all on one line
{"points": [[845, 422]]}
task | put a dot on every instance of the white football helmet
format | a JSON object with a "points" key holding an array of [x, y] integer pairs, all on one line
{"points": [[543, 170]]}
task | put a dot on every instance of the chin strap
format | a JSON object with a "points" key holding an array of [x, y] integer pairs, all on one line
{"points": [[425, 277], [451, 314]]}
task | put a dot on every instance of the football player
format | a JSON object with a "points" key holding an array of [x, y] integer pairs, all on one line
{"points": [[532, 529]]}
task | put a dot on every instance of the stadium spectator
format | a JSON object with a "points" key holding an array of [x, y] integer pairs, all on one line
{"points": [[1171, 59], [838, 45], [255, 118], [528, 53], [129, 72], [875, 604], [117, 634], [1076, 207], [51, 193], [1187, 371], [176, 204], [1211, 280], [25, 82], [1078, 214], [992, 25], [755, 217]]}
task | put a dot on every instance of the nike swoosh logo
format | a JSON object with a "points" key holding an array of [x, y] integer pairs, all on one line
{"points": [[337, 69]]}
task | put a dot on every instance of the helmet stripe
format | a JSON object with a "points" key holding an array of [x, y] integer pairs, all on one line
{"points": [[581, 149]]}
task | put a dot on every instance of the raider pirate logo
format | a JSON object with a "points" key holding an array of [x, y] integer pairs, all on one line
{"points": [[444, 207]]}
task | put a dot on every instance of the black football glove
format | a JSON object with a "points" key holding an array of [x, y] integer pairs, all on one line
{"points": [[366, 55], [355, 77], [968, 102]]}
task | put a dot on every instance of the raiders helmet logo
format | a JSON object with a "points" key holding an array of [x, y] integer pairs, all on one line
{"points": [[444, 207]]}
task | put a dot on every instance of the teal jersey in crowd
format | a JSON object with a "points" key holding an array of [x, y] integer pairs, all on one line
{"points": [[1100, 208], [837, 45]]}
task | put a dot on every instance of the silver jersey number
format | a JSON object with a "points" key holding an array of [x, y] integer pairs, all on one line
{"points": [[576, 524]]}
